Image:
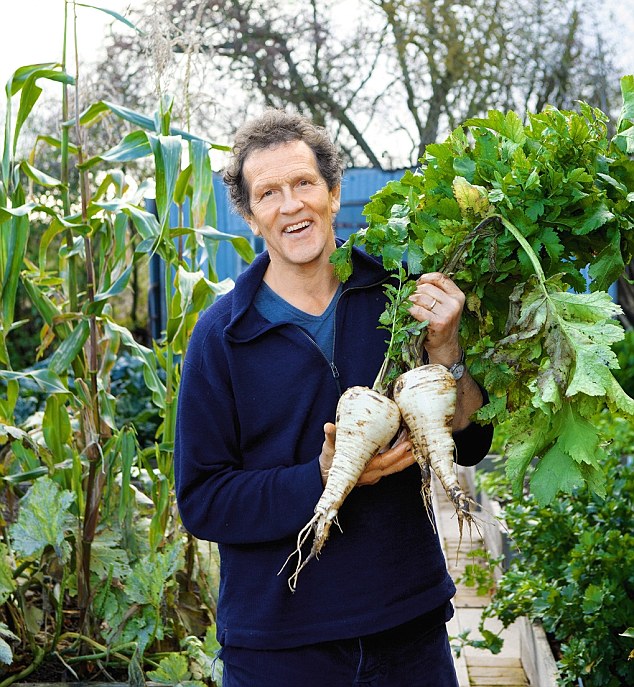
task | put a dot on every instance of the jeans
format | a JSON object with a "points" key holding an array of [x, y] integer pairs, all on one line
{"points": [[407, 656]]}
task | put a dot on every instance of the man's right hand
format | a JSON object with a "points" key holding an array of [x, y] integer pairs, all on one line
{"points": [[394, 459]]}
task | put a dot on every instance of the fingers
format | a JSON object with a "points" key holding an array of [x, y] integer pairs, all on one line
{"points": [[436, 293], [327, 451], [387, 463], [440, 302]]}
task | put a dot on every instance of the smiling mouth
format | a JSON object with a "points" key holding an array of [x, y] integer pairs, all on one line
{"points": [[294, 228]]}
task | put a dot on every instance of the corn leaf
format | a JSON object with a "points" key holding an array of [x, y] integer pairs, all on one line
{"points": [[147, 357], [167, 155], [241, 244], [61, 360], [112, 13], [202, 180], [133, 146], [46, 380], [38, 176], [14, 238], [56, 426], [30, 93], [99, 109]]}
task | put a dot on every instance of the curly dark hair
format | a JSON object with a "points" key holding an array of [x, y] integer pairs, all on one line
{"points": [[275, 127]]}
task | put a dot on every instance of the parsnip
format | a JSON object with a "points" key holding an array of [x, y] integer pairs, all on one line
{"points": [[366, 421], [426, 397]]}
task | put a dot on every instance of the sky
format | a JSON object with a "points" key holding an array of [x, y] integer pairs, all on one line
{"points": [[33, 30]]}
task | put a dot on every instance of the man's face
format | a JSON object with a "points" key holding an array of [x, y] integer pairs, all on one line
{"points": [[291, 206]]}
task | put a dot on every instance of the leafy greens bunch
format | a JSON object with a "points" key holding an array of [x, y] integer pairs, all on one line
{"points": [[522, 217]]}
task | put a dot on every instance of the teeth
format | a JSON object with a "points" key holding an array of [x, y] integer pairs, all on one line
{"points": [[296, 227]]}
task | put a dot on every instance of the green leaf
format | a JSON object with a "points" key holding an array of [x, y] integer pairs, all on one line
{"points": [[115, 289], [97, 111], [7, 583], [174, 670], [56, 426], [6, 653], [133, 146], [62, 359], [608, 264], [116, 15], [145, 222], [595, 218], [39, 177], [579, 438], [149, 578], [147, 357], [341, 258], [202, 181], [627, 110], [46, 380], [524, 445], [167, 155], [31, 93], [44, 520], [592, 599], [241, 245], [556, 471], [13, 241]]}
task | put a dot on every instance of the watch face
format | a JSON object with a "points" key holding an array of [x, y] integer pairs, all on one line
{"points": [[457, 370]]}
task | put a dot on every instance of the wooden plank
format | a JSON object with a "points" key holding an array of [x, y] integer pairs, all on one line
{"points": [[493, 660], [504, 682], [497, 675]]}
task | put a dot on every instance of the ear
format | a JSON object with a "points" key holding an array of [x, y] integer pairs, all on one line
{"points": [[335, 199], [252, 225]]}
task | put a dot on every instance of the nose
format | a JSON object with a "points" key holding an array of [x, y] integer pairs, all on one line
{"points": [[291, 203]]}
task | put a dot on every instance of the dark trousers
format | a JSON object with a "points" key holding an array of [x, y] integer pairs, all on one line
{"points": [[410, 655]]}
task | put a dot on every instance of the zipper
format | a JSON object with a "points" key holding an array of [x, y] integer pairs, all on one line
{"points": [[331, 363]]}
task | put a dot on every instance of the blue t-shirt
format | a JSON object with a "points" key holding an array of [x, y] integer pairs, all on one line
{"points": [[321, 328]]}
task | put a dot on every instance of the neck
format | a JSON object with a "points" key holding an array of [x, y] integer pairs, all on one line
{"points": [[310, 290]]}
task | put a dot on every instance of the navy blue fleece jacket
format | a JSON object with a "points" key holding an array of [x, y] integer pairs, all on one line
{"points": [[252, 404]]}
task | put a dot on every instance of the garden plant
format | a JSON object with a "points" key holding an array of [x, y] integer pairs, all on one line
{"points": [[96, 573], [572, 569]]}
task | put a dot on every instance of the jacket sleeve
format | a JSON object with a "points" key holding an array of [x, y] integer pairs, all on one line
{"points": [[220, 501], [474, 441]]}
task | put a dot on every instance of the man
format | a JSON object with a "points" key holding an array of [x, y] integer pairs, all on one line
{"points": [[255, 437]]}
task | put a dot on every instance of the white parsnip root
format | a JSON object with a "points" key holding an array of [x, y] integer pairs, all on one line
{"points": [[366, 421], [426, 397]]}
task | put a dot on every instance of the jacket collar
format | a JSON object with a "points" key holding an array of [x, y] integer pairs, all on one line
{"points": [[246, 323]]}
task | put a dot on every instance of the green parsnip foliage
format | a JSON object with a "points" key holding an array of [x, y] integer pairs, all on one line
{"points": [[516, 213]]}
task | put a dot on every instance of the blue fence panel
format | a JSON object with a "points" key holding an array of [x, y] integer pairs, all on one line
{"points": [[357, 186]]}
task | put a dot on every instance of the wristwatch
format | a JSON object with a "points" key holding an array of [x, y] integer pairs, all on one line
{"points": [[458, 368]]}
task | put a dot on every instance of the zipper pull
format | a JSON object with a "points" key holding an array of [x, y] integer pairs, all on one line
{"points": [[335, 371]]}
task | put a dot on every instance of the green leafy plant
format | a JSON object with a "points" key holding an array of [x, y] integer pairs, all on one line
{"points": [[573, 571], [516, 213]]}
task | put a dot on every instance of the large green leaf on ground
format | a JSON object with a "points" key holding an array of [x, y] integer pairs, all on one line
{"points": [[44, 520]]}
